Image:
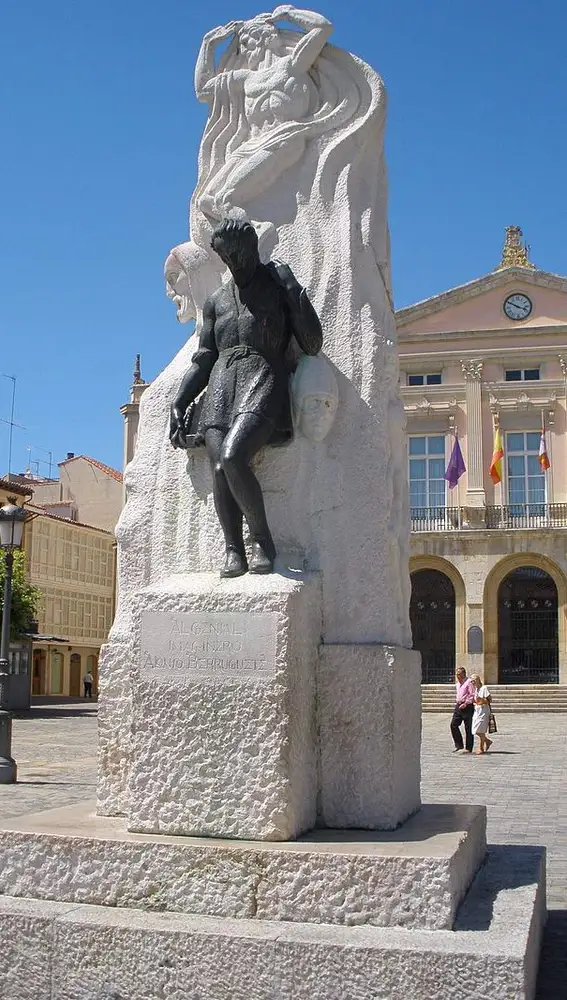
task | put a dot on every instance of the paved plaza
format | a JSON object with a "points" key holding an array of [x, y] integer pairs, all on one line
{"points": [[521, 780]]}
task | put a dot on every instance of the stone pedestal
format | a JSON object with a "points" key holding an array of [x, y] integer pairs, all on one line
{"points": [[370, 735], [224, 734]]}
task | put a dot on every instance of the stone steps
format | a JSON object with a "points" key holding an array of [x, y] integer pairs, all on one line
{"points": [[505, 697], [62, 950]]}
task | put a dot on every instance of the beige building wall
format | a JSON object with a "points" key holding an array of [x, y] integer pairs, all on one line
{"points": [[464, 336], [87, 490]]}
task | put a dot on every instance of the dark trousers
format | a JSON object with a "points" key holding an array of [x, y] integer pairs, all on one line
{"points": [[461, 715], [88, 689]]}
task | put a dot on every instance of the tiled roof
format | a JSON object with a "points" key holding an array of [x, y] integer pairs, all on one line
{"points": [[113, 473], [11, 487]]}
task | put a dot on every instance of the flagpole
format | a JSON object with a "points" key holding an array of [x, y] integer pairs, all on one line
{"points": [[548, 481], [502, 480]]}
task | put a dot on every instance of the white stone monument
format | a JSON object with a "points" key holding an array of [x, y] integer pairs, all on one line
{"points": [[258, 831], [294, 141]]}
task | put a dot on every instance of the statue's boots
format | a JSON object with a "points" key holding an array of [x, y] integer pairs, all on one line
{"points": [[263, 555], [235, 564]]}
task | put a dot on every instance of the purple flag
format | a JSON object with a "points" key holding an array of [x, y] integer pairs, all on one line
{"points": [[456, 465]]}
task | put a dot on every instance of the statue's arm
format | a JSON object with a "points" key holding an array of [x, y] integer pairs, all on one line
{"points": [[318, 31], [196, 378], [205, 69], [304, 321]]}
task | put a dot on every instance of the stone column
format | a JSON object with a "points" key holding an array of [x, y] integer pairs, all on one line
{"points": [[472, 370]]}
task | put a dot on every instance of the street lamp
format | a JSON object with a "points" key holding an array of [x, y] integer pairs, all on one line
{"points": [[12, 520]]}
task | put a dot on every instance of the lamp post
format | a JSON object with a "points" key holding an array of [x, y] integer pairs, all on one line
{"points": [[12, 520]]}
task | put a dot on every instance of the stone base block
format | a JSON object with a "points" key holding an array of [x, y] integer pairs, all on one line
{"points": [[415, 877], [370, 735], [63, 951], [223, 707]]}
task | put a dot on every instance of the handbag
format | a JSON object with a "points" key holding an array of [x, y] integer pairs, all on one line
{"points": [[492, 727]]}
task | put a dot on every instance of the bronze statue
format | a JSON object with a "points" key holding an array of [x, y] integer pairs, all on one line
{"points": [[243, 362]]}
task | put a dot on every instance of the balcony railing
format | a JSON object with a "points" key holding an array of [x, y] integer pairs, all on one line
{"points": [[436, 518], [527, 515], [517, 515]]}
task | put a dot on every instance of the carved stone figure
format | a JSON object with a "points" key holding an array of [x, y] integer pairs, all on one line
{"points": [[246, 331], [315, 395], [270, 97]]}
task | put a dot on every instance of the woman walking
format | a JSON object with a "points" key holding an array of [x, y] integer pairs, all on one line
{"points": [[481, 716]]}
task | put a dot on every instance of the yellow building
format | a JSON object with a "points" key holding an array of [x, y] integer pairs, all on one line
{"points": [[70, 557], [73, 565], [489, 564]]}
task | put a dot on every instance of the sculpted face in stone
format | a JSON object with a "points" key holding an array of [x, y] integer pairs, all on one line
{"points": [[315, 397], [178, 289]]}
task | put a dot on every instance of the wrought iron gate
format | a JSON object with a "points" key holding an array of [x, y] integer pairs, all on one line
{"points": [[528, 646], [432, 614]]}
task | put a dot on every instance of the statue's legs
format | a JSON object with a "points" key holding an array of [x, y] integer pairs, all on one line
{"points": [[228, 511], [247, 176], [249, 433]]}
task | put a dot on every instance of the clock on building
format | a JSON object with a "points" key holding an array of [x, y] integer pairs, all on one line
{"points": [[517, 306]]}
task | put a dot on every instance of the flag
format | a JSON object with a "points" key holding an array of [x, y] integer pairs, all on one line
{"points": [[456, 465], [543, 456], [497, 456]]}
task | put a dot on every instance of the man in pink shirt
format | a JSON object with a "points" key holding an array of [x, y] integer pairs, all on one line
{"points": [[463, 713]]}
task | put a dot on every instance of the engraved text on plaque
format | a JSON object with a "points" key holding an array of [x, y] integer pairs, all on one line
{"points": [[205, 645]]}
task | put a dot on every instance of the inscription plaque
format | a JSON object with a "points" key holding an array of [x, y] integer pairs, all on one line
{"points": [[203, 645]]}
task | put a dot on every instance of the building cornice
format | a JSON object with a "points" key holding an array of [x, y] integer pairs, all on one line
{"points": [[503, 354], [432, 405], [507, 397], [558, 329], [461, 293]]}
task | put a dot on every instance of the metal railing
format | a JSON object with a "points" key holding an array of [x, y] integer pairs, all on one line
{"points": [[527, 515], [436, 518], [517, 515]]}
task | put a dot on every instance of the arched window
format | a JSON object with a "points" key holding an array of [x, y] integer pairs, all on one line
{"points": [[528, 642], [432, 614]]}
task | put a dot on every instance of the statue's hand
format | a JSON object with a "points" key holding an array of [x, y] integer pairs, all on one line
{"points": [[224, 31], [177, 427], [283, 11]]}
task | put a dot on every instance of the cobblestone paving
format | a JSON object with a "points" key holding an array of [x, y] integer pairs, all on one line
{"points": [[522, 781], [54, 747]]}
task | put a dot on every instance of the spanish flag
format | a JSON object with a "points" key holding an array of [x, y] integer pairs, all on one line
{"points": [[543, 456], [497, 456]]}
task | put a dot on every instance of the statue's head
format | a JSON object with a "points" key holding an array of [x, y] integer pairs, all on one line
{"points": [[256, 37], [236, 243], [315, 394], [181, 275]]}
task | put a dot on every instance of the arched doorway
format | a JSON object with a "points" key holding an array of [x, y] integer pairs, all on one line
{"points": [[39, 672], [75, 675], [56, 680], [528, 634], [432, 615], [92, 666]]}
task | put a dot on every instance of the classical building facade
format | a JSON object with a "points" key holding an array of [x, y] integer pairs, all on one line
{"points": [[489, 562]]}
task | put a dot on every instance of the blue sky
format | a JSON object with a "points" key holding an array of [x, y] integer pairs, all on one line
{"points": [[100, 131]]}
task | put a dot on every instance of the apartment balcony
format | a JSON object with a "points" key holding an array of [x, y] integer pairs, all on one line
{"points": [[517, 515]]}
